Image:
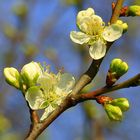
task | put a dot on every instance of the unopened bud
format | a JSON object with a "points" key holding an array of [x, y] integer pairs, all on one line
{"points": [[30, 73], [9, 31], [122, 103], [116, 70], [20, 10], [134, 10], [114, 112], [12, 77], [123, 25], [118, 66]]}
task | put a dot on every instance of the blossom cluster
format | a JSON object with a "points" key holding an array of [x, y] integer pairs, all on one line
{"points": [[44, 89]]}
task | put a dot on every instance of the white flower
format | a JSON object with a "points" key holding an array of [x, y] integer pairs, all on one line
{"points": [[94, 33], [30, 73], [50, 92]]}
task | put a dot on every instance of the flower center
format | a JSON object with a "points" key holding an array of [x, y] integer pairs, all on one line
{"points": [[51, 96]]}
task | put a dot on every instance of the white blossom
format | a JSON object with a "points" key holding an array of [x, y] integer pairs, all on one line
{"points": [[94, 33]]}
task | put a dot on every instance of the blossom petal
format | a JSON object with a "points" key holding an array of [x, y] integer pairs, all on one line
{"points": [[84, 13], [79, 37], [112, 32], [66, 82], [46, 81], [47, 112], [34, 96], [91, 25], [98, 50]]}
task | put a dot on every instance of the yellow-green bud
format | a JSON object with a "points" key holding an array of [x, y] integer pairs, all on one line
{"points": [[12, 77], [134, 10], [9, 31], [123, 25], [122, 103], [114, 112], [120, 22], [30, 73], [20, 10], [119, 67]]}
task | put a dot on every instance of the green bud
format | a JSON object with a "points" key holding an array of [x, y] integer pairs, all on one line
{"points": [[123, 25], [116, 70], [114, 112], [12, 77], [134, 10], [30, 73], [9, 31], [122, 103], [119, 67], [20, 10]]}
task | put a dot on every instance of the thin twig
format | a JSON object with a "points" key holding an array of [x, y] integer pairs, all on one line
{"points": [[116, 12], [126, 84]]}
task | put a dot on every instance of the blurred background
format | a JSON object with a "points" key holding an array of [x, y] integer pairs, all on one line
{"points": [[38, 30]]}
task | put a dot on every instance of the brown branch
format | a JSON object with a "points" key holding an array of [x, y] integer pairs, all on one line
{"points": [[85, 79], [34, 120], [116, 11], [34, 116], [126, 84], [73, 99]]}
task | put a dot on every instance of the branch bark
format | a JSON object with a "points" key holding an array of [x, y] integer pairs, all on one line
{"points": [[74, 99], [92, 95]]}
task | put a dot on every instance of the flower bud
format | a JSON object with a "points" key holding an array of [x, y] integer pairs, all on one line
{"points": [[123, 25], [117, 69], [20, 10], [12, 77], [30, 73], [122, 103], [114, 112], [9, 31], [134, 10]]}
